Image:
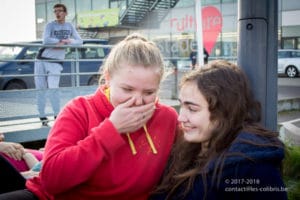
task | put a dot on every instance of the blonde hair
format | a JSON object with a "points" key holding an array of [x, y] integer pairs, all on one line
{"points": [[133, 50]]}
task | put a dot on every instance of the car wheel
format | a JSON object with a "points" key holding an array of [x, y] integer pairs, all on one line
{"points": [[93, 80], [15, 85], [291, 71]]}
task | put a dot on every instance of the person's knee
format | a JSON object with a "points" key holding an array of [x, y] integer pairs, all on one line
{"points": [[18, 194]]}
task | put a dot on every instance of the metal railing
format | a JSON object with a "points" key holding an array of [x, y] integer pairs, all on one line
{"points": [[16, 105], [74, 61]]}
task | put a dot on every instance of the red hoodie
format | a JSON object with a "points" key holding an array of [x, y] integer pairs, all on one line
{"points": [[86, 158]]}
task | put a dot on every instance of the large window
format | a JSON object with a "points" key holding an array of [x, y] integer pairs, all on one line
{"points": [[71, 10], [49, 11], [85, 5], [291, 43], [41, 19], [98, 5]]}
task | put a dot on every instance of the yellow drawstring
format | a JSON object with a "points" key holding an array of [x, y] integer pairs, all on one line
{"points": [[150, 142], [149, 139], [131, 144]]}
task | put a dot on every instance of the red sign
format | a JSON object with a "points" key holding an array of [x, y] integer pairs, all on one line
{"points": [[211, 25]]}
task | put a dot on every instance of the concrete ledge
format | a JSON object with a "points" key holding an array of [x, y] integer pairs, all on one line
{"points": [[29, 130], [291, 131], [28, 135], [288, 104]]}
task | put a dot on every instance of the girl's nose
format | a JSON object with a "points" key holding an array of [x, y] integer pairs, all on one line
{"points": [[181, 116], [139, 100]]}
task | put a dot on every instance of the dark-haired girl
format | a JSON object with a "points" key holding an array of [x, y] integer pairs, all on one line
{"points": [[223, 151]]}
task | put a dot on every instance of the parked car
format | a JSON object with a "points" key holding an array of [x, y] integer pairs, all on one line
{"points": [[19, 74], [289, 62]]}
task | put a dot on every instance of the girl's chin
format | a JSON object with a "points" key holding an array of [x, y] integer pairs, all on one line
{"points": [[188, 135], [191, 136]]}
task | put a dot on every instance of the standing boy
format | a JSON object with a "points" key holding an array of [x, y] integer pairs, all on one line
{"points": [[47, 73]]}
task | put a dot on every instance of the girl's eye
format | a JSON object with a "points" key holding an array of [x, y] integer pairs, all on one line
{"points": [[149, 93], [127, 89], [191, 109]]}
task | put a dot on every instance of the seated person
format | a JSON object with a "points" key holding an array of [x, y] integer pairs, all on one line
{"points": [[33, 172], [22, 159], [10, 178]]}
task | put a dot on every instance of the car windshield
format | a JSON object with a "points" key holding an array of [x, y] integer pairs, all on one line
{"points": [[9, 52], [296, 54]]}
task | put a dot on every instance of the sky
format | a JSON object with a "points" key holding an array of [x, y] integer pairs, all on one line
{"points": [[17, 21]]}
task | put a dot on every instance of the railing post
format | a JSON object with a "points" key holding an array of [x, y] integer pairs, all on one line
{"points": [[77, 67]]}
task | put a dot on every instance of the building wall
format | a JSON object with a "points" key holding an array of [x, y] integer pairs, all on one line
{"points": [[176, 33]]}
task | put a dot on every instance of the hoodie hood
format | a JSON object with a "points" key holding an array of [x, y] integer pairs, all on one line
{"points": [[246, 147]]}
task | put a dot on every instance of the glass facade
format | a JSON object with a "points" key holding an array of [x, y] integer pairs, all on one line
{"points": [[173, 25]]}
